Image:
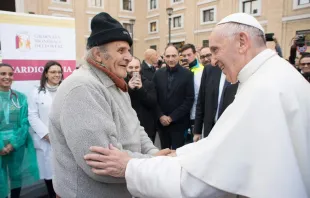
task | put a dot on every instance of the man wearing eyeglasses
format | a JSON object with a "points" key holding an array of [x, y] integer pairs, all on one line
{"points": [[215, 95], [304, 65], [205, 56]]}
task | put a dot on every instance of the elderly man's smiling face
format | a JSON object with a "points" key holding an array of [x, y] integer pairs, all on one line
{"points": [[115, 56]]}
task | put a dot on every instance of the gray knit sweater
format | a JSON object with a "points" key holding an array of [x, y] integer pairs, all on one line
{"points": [[89, 110]]}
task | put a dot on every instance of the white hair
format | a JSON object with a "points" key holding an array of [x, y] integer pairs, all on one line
{"points": [[231, 29], [102, 49]]}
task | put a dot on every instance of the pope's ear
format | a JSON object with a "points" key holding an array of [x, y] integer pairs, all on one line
{"points": [[244, 40]]}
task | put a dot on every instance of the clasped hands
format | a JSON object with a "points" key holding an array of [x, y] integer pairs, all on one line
{"points": [[113, 162], [7, 149], [165, 120]]}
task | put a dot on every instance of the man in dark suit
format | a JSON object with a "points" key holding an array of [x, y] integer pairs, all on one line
{"points": [[143, 97], [175, 97], [149, 63], [215, 95]]}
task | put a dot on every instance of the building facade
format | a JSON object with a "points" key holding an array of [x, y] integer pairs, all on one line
{"points": [[191, 21]]}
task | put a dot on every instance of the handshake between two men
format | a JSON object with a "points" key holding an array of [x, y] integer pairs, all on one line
{"points": [[113, 162]]}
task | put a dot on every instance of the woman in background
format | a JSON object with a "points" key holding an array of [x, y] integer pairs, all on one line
{"points": [[17, 154], [39, 107]]}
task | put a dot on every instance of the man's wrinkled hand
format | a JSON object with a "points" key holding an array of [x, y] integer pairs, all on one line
{"points": [[107, 161], [163, 152]]}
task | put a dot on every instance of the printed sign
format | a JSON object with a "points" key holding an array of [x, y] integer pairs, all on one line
{"points": [[27, 42]]}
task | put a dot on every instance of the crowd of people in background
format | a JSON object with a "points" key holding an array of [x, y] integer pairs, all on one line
{"points": [[179, 94]]}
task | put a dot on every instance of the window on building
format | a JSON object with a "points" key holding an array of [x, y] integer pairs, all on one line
{"points": [[10, 6], [153, 27], [177, 22], [250, 6], [208, 15], [303, 2], [153, 4], [128, 27], [62, 1], [179, 45], [205, 43], [305, 33], [154, 47], [176, 1], [60, 15], [127, 5], [96, 3]]}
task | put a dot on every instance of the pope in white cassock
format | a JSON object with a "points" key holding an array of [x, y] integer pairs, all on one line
{"points": [[259, 148]]}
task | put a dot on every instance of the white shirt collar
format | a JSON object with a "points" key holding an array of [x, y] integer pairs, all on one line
{"points": [[250, 68], [150, 66]]}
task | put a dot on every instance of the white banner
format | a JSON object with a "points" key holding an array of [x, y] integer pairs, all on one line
{"points": [[27, 42]]}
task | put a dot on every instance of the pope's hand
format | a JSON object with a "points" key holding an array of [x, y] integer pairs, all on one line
{"points": [[173, 153], [107, 161]]}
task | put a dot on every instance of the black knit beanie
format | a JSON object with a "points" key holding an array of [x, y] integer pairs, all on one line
{"points": [[105, 29]]}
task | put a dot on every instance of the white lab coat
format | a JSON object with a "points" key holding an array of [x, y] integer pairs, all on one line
{"points": [[39, 105]]}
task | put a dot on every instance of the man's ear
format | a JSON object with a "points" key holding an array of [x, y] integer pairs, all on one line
{"points": [[95, 52], [244, 42]]}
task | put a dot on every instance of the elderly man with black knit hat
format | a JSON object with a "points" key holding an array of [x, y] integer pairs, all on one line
{"points": [[96, 95]]}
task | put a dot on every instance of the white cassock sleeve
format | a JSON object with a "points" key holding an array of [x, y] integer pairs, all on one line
{"points": [[163, 177]]}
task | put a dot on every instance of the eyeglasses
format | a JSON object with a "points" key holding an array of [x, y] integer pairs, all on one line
{"points": [[304, 64], [55, 72], [205, 56]]}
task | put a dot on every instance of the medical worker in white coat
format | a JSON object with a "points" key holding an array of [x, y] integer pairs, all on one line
{"points": [[40, 104]]}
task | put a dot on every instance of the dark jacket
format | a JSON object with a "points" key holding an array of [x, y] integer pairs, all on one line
{"points": [[307, 76], [147, 72], [144, 101], [292, 56], [229, 96], [175, 93], [207, 102]]}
